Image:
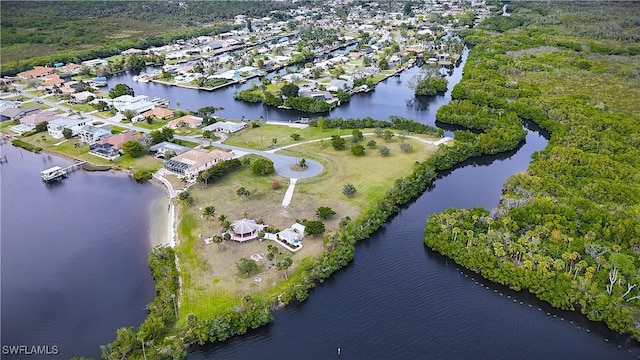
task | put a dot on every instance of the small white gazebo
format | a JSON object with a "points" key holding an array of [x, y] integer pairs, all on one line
{"points": [[244, 229]]}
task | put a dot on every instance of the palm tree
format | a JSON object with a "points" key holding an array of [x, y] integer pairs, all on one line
{"points": [[209, 213], [222, 218]]}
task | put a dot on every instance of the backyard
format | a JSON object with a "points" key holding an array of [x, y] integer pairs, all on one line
{"points": [[211, 280]]}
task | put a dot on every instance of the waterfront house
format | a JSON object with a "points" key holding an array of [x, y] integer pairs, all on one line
{"points": [[137, 104], [57, 126], [165, 147], [29, 122], [185, 121], [225, 126], [158, 113], [90, 134], [189, 164], [111, 147]]}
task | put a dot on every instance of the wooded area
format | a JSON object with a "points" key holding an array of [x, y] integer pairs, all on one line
{"points": [[37, 33], [568, 229]]}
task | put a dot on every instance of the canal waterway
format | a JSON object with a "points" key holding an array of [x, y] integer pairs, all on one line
{"points": [[74, 255], [397, 299], [391, 97]]}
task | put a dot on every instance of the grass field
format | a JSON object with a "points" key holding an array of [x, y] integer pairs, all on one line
{"points": [[211, 281], [261, 138], [73, 148]]}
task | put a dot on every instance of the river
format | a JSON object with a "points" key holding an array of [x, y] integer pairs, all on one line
{"points": [[74, 255], [397, 299]]}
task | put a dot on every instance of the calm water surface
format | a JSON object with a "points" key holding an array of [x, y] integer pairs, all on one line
{"points": [[397, 299], [74, 255]]}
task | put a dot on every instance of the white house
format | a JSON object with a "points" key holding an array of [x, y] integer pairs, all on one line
{"points": [[225, 126], [90, 134], [56, 126], [137, 104]]}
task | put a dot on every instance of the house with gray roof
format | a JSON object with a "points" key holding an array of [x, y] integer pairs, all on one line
{"points": [[90, 134], [165, 147], [57, 126]]}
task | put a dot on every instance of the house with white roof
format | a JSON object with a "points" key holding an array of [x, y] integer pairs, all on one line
{"points": [[57, 126], [137, 104], [225, 126]]}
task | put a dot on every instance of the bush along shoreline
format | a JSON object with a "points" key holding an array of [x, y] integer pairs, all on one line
{"points": [[567, 230], [256, 310]]}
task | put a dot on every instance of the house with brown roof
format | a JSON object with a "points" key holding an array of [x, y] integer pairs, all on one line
{"points": [[36, 72], [70, 68], [185, 121], [30, 121], [158, 113], [50, 81], [189, 164], [111, 147]]}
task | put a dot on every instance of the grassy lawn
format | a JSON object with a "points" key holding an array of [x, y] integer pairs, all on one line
{"points": [[261, 138], [73, 148], [156, 124], [211, 281], [341, 167], [82, 107], [104, 114]]}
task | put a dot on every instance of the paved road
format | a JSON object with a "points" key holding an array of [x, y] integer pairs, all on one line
{"points": [[281, 163]]}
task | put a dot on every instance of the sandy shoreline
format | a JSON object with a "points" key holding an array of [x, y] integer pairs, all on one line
{"points": [[162, 215]]}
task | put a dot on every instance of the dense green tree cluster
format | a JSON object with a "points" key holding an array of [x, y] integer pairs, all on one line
{"points": [[308, 104], [396, 122], [74, 31], [567, 229], [221, 169]]}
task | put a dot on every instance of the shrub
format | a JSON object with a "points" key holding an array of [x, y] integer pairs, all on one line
{"points": [[143, 175], [262, 166], [275, 185], [357, 150], [406, 147], [349, 190]]}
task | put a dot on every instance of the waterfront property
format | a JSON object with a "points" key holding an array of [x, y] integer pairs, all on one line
{"points": [[185, 121], [289, 238], [189, 164], [137, 104], [165, 147], [90, 134], [225, 126], [30, 121], [57, 126], [158, 113], [111, 147]]}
